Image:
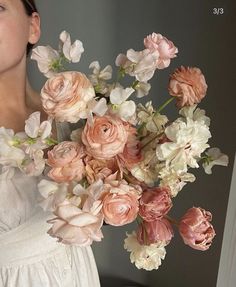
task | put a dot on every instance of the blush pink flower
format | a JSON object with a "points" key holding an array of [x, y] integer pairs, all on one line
{"points": [[155, 203], [105, 138], [66, 96], [66, 162], [120, 203], [100, 169], [165, 48], [196, 229], [188, 85], [131, 154], [73, 225], [155, 231]]}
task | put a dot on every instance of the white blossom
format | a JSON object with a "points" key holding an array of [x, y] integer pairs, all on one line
{"points": [[72, 52], [215, 157], [188, 139], [146, 257]]}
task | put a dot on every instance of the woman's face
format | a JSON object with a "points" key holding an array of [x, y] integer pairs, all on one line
{"points": [[16, 30]]}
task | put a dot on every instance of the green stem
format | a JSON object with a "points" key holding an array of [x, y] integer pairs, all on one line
{"points": [[164, 105]]}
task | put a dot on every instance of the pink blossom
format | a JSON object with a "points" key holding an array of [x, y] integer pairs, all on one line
{"points": [[196, 229], [100, 169], [165, 48], [155, 203], [120, 203], [73, 225], [188, 85], [105, 138], [66, 96], [155, 231], [131, 154], [66, 162]]}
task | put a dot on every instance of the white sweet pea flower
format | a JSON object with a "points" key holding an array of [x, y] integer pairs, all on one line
{"points": [[33, 166], [188, 139], [142, 89], [10, 154], [35, 129], [144, 64], [72, 52], [176, 180], [99, 74], [124, 109], [215, 157], [195, 114], [52, 194], [45, 57], [146, 257]]}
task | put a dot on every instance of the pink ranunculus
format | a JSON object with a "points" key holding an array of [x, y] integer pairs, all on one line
{"points": [[188, 85], [66, 95], [196, 229], [66, 162], [166, 49], [155, 203], [100, 169], [154, 231], [120, 203], [131, 154], [75, 226], [105, 138]]}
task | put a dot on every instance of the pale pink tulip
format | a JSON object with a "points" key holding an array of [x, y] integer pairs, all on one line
{"points": [[196, 229], [155, 231], [155, 203]]}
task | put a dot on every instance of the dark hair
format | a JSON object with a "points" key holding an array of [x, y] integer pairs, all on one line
{"points": [[30, 8]]}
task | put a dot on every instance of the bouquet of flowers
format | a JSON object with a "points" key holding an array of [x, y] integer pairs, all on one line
{"points": [[126, 160]]}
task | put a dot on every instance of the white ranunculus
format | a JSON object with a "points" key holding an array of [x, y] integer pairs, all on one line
{"points": [[188, 139], [72, 52], [215, 157], [45, 56], [146, 257]]}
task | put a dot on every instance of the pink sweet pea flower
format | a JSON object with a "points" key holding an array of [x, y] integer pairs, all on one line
{"points": [[196, 229]]}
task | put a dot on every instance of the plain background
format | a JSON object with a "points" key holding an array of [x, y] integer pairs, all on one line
{"points": [[205, 40]]}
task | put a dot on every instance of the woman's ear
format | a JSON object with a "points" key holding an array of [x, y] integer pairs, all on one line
{"points": [[35, 31]]}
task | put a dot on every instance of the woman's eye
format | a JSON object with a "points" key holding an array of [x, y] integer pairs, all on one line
{"points": [[2, 8]]}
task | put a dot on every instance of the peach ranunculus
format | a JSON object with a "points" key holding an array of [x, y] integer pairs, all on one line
{"points": [[155, 231], [120, 203], [73, 225], [155, 203], [195, 228], [100, 169], [131, 154], [165, 48], [66, 95], [105, 138], [188, 85], [66, 160]]}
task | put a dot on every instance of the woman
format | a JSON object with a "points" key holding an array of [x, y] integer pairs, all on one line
{"points": [[29, 257]]}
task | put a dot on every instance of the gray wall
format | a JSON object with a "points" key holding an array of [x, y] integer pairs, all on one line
{"points": [[205, 40]]}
